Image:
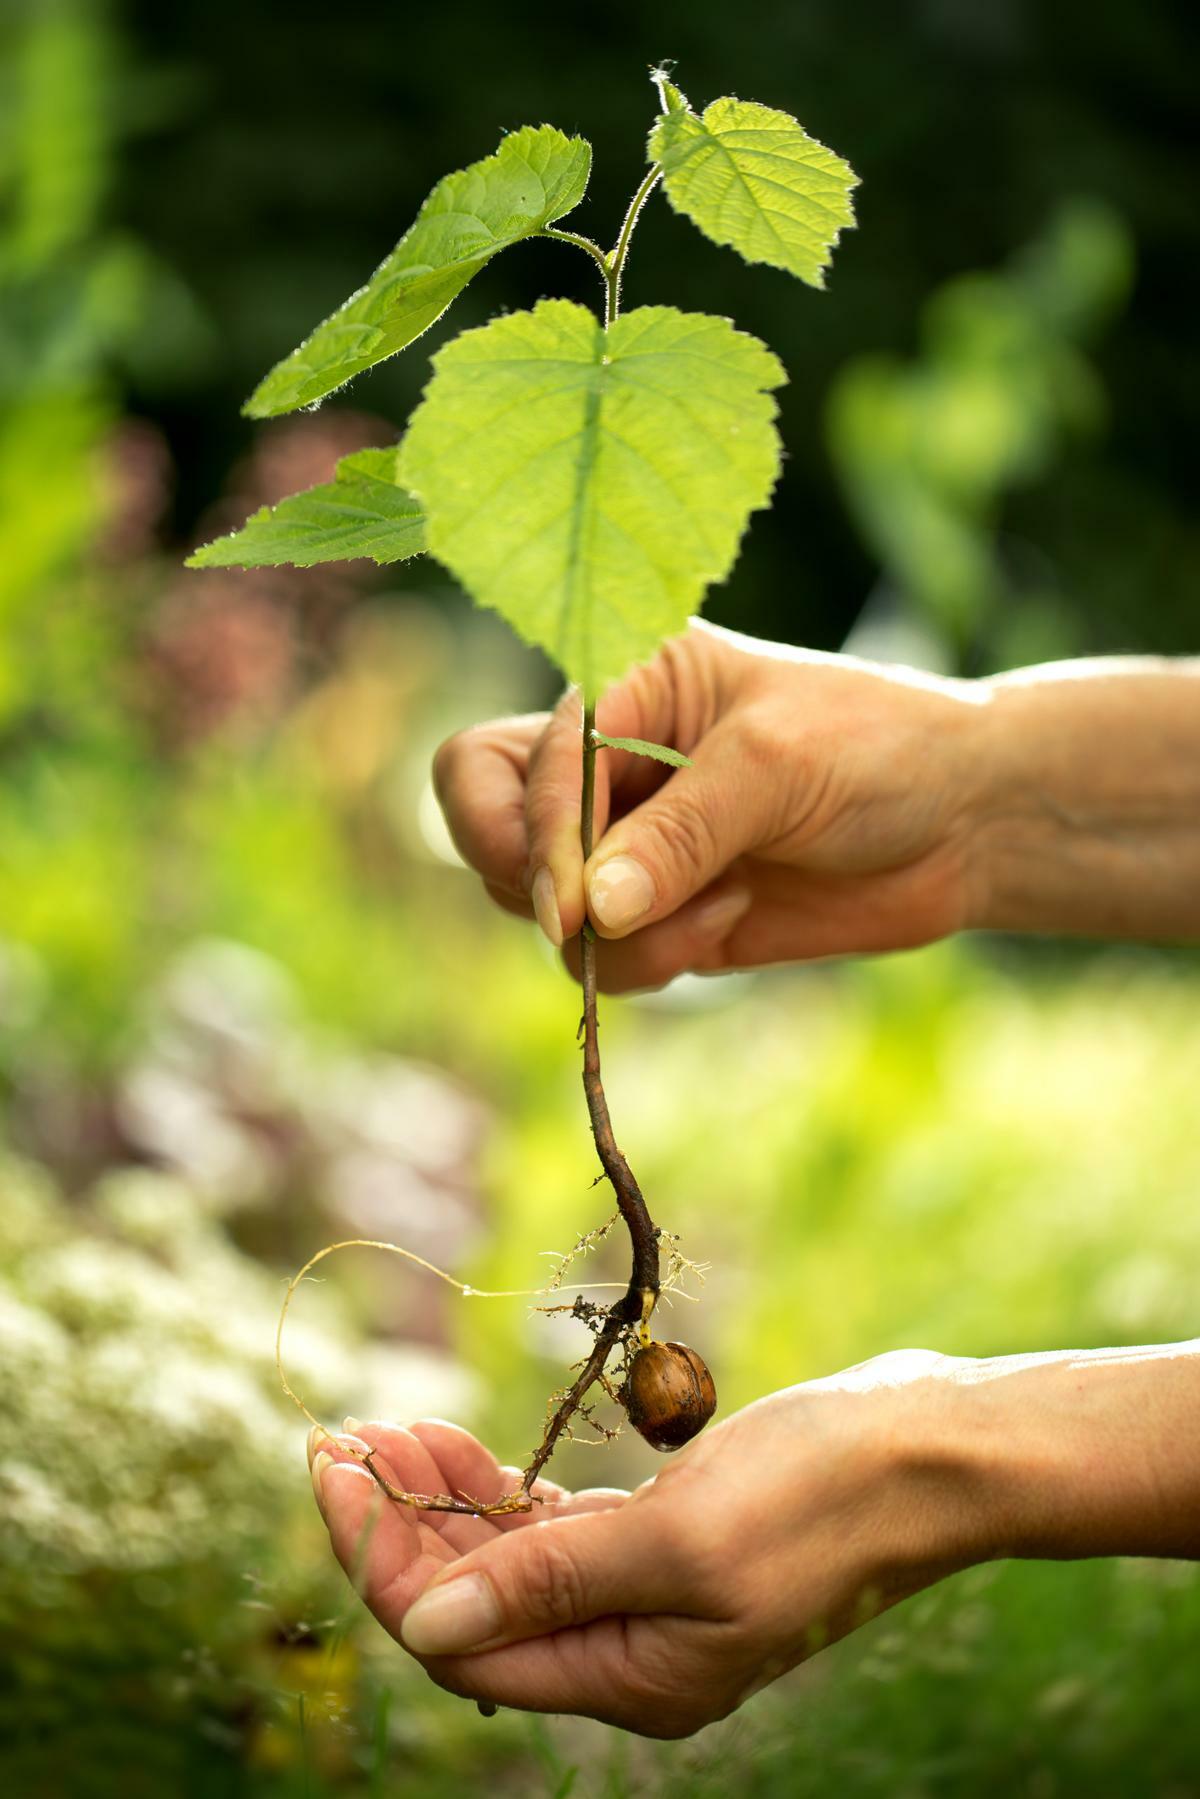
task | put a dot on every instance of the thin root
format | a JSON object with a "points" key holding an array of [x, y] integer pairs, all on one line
{"points": [[559, 1410]]}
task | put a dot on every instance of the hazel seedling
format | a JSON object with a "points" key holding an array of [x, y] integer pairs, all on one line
{"points": [[588, 476]]}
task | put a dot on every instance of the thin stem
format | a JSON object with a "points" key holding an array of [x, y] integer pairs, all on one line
{"points": [[642, 1293], [616, 262], [583, 243]]}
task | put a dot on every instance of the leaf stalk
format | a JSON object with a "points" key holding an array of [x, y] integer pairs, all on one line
{"points": [[616, 261]]}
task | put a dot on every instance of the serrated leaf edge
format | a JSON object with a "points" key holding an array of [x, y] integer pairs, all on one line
{"points": [[638, 746], [196, 559], [249, 410], [701, 118]]}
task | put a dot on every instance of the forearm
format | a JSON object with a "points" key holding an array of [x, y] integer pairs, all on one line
{"points": [[1090, 802], [1080, 1453]]}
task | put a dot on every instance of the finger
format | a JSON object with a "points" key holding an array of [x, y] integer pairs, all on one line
{"points": [[803, 915], [697, 938], [568, 1571], [587, 1499], [387, 1554], [468, 1467], [683, 837], [509, 902], [409, 1464], [471, 1470], [479, 778], [644, 705], [558, 1502], [653, 1675], [552, 800]]}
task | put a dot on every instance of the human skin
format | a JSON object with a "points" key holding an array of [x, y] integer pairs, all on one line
{"points": [[835, 807], [832, 807], [772, 1534]]}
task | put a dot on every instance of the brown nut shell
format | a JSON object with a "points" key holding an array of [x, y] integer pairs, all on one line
{"points": [[669, 1394]]}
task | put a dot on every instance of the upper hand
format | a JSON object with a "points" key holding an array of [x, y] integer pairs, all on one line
{"points": [[828, 810], [771, 1535]]}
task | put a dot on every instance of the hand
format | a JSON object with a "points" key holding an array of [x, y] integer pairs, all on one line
{"points": [[829, 809], [835, 806], [771, 1535]]}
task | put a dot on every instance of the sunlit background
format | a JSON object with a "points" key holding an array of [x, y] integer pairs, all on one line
{"points": [[249, 1003]]}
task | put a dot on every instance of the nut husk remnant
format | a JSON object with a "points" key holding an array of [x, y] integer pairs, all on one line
{"points": [[669, 1394]]}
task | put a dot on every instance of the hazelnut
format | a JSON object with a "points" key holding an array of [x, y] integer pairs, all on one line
{"points": [[669, 1394]]}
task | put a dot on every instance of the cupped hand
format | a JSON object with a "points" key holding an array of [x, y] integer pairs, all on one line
{"points": [[831, 807], [774, 1533]]}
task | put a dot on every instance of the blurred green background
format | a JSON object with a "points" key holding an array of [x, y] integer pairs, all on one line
{"points": [[248, 1004]]}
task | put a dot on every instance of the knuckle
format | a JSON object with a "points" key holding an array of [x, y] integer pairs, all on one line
{"points": [[447, 763], [683, 836], [551, 1586], [704, 1571], [555, 777], [757, 735]]}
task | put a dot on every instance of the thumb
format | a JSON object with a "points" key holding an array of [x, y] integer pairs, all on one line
{"points": [[531, 1582], [683, 837]]}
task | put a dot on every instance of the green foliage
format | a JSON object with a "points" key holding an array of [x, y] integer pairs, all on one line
{"points": [[536, 176], [928, 450], [1021, 1146], [637, 746], [752, 178], [587, 481], [76, 297], [361, 512], [590, 484]]}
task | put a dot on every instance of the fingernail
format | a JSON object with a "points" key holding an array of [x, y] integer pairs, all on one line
{"points": [[447, 1619], [717, 916], [316, 1435], [353, 1426], [545, 906], [619, 891], [320, 1462]]}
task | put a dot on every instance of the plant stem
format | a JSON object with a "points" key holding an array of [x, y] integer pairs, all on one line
{"points": [[642, 1294], [637, 1304], [616, 262], [583, 243]]}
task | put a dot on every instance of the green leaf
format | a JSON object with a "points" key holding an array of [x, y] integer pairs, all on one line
{"points": [[535, 177], [361, 512], [637, 746], [752, 178], [590, 484]]}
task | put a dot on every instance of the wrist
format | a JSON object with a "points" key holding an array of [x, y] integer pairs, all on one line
{"points": [[1089, 772], [1063, 1454]]}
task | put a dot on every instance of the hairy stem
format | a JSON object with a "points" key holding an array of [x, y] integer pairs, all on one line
{"points": [[616, 262], [583, 243]]}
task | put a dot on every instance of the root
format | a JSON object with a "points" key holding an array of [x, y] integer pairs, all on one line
{"points": [[609, 1331], [582, 1246], [622, 1326]]}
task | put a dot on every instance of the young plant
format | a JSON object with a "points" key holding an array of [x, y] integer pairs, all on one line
{"points": [[588, 476]]}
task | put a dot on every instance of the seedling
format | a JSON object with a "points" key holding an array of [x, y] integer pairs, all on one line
{"points": [[588, 476]]}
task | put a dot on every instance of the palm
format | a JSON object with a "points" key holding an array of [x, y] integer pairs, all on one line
{"points": [[392, 1552]]}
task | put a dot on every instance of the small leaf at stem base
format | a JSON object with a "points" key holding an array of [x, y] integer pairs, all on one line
{"points": [[637, 746]]}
